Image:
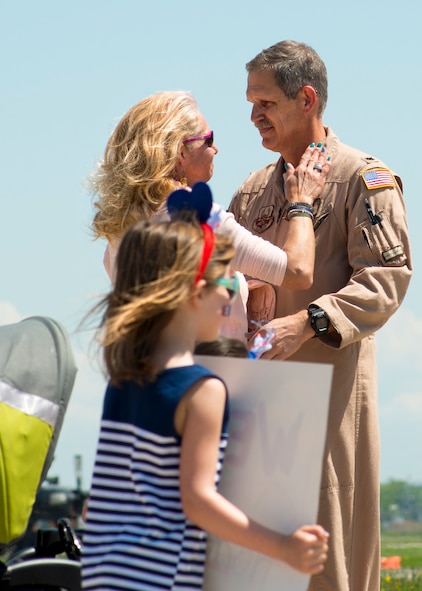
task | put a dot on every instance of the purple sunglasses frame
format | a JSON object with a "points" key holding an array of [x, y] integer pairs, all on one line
{"points": [[208, 137]]}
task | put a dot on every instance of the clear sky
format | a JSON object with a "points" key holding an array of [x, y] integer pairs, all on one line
{"points": [[68, 73]]}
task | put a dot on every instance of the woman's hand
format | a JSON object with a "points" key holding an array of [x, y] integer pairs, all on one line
{"points": [[305, 182]]}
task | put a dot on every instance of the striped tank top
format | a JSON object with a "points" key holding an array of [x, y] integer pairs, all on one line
{"points": [[136, 535]]}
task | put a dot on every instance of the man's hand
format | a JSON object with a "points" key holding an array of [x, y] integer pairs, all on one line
{"points": [[290, 334]]}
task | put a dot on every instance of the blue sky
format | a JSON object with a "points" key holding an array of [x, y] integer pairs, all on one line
{"points": [[68, 73]]}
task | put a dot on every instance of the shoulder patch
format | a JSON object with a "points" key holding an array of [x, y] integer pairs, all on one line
{"points": [[377, 178]]}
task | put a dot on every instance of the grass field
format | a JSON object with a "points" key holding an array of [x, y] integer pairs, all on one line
{"points": [[409, 547]]}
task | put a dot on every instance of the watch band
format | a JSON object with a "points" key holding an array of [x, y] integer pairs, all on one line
{"points": [[319, 320]]}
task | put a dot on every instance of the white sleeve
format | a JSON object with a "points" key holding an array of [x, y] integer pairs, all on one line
{"points": [[254, 256]]}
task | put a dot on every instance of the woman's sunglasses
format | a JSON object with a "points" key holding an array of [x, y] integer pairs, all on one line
{"points": [[208, 137], [231, 284]]}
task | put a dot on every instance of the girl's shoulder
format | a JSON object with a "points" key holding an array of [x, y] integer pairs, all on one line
{"points": [[152, 406], [186, 375]]}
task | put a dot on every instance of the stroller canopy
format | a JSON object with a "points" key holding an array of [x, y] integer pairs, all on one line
{"points": [[37, 373]]}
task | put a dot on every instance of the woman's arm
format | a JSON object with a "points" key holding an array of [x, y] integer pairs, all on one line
{"points": [[291, 265], [200, 423], [303, 184]]}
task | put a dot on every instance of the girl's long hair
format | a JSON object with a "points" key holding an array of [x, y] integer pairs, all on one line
{"points": [[156, 268]]}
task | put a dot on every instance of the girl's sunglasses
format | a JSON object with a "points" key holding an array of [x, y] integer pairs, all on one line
{"points": [[231, 284], [208, 137]]}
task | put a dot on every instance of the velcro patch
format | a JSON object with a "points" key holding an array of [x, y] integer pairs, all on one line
{"points": [[388, 255], [377, 178], [264, 220]]}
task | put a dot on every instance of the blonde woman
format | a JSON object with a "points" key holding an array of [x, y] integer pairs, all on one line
{"points": [[164, 142]]}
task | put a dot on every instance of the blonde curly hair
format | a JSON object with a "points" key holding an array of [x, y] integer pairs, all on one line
{"points": [[138, 170]]}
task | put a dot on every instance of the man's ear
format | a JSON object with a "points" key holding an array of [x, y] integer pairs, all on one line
{"points": [[310, 98]]}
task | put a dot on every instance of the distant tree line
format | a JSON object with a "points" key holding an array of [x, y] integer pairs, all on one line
{"points": [[400, 500]]}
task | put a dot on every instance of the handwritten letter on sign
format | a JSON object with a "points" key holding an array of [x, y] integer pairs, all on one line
{"points": [[273, 463]]}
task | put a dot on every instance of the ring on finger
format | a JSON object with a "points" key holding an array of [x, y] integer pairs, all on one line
{"points": [[318, 167]]}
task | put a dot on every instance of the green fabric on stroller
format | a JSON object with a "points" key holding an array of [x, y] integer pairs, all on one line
{"points": [[37, 374]]}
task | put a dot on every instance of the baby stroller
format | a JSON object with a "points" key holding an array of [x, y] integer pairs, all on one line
{"points": [[37, 374]]}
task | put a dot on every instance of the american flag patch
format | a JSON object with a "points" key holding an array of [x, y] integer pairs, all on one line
{"points": [[378, 177]]}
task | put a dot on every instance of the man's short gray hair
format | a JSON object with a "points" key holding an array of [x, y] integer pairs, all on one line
{"points": [[294, 65]]}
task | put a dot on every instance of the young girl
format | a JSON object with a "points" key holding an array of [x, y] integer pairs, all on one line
{"points": [[164, 426]]}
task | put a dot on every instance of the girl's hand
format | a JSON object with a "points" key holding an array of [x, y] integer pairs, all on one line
{"points": [[306, 549]]}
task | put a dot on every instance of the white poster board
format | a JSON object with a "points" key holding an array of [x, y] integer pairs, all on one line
{"points": [[272, 468]]}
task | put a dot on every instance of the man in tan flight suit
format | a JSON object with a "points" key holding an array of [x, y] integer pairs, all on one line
{"points": [[362, 271]]}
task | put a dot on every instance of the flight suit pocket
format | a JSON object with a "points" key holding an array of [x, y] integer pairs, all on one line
{"points": [[382, 245]]}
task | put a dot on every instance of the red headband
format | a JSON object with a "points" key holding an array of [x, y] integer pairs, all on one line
{"points": [[209, 241]]}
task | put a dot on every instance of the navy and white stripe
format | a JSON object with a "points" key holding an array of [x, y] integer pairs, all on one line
{"points": [[137, 536]]}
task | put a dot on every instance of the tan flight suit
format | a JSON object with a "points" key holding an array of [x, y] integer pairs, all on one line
{"points": [[362, 271]]}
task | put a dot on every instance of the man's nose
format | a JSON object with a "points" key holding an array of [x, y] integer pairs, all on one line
{"points": [[256, 113]]}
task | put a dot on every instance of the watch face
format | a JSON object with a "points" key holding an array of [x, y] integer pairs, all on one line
{"points": [[321, 323]]}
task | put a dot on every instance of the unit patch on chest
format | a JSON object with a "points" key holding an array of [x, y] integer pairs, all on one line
{"points": [[264, 220]]}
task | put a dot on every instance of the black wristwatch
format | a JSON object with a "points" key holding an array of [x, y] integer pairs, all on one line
{"points": [[319, 320]]}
